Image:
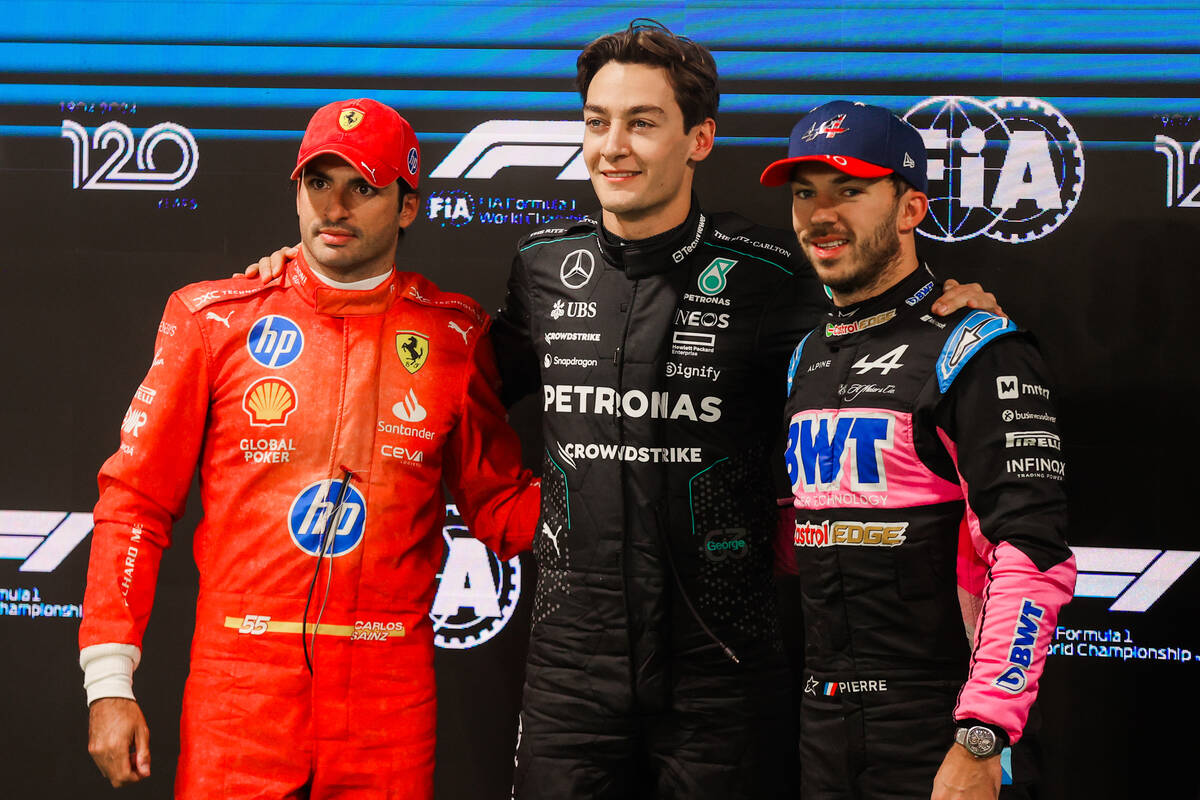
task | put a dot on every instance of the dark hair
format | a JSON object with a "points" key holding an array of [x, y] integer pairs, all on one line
{"points": [[899, 183], [690, 68]]}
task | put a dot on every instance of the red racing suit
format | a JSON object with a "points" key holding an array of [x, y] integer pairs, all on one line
{"points": [[280, 392]]}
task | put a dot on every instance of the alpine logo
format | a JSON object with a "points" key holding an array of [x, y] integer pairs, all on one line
{"points": [[829, 128]]}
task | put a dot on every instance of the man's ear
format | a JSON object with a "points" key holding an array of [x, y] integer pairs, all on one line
{"points": [[914, 205], [703, 137], [410, 206]]}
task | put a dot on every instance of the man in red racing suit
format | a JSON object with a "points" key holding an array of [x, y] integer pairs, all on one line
{"points": [[324, 419]]}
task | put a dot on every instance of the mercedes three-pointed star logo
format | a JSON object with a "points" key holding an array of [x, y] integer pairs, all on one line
{"points": [[576, 269]]}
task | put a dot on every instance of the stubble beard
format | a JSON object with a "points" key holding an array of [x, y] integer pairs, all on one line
{"points": [[876, 253]]}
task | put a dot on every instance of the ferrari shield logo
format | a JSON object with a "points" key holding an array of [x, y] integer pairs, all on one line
{"points": [[413, 349], [349, 118]]}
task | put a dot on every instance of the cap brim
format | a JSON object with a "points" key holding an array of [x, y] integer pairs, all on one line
{"points": [[780, 172], [351, 155]]}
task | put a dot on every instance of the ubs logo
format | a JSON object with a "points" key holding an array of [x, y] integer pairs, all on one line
{"points": [[576, 269]]}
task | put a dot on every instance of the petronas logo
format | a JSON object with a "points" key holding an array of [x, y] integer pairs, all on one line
{"points": [[712, 279]]}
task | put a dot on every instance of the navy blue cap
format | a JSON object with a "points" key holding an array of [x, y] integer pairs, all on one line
{"points": [[860, 140]]}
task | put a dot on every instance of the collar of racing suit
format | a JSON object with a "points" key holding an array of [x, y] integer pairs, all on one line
{"points": [[340, 302], [896, 298], [640, 258]]}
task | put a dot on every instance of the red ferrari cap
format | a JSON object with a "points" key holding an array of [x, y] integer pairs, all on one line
{"points": [[374, 138]]}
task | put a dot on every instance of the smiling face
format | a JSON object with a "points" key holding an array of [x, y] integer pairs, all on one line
{"points": [[856, 232], [349, 228], [638, 153]]}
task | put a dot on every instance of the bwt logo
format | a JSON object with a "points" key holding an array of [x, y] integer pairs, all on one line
{"points": [[112, 173], [499, 143], [1020, 652], [477, 592], [41, 540], [1009, 168], [818, 444], [1135, 577], [1173, 151]]}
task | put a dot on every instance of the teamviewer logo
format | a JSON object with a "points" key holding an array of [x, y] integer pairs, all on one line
{"points": [[1135, 577], [41, 540]]}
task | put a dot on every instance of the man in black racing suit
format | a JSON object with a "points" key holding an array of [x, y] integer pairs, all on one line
{"points": [[657, 337], [926, 465]]}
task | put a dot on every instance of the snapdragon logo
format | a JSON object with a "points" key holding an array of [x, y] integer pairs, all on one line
{"points": [[477, 591], [1009, 168], [500, 143]]}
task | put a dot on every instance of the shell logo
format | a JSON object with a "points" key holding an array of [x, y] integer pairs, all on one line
{"points": [[269, 401]]}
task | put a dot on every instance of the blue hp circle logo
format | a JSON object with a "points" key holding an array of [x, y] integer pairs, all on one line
{"points": [[275, 341], [309, 516]]}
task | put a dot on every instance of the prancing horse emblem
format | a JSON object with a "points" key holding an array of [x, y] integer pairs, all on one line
{"points": [[413, 349]]}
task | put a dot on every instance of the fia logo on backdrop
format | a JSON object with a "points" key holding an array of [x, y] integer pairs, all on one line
{"points": [[1010, 168], [477, 591]]}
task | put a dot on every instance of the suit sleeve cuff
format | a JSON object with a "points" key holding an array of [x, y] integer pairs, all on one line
{"points": [[108, 670]]}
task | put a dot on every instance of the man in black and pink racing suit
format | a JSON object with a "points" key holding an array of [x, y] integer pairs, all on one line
{"points": [[927, 477]]}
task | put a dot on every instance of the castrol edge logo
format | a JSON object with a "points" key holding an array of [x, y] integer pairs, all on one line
{"points": [[853, 534]]}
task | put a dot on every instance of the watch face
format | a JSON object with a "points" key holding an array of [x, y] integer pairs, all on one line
{"points": [[981, 741]]}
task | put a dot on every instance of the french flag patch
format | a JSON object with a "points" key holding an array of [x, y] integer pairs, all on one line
{"points": [[830, 689]]}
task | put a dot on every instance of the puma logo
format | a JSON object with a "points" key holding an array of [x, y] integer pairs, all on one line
{"points": [[553, 537], [461, 332], [223, 320], [368, 169]]}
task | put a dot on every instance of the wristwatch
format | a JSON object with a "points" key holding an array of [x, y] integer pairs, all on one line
{"points": [[981, 741]]}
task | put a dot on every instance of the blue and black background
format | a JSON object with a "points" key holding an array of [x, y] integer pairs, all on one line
{"points": [[1111, 290]]}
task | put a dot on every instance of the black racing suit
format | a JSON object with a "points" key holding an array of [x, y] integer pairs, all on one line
{"points": [[927, 473], [655, 666]]}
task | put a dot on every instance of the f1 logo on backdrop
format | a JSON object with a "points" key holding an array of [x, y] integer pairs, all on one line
{"points": [[1173, 151], [41, 540], [477, 592], [499, 143], [1009, 168], [1135, 577], [112, 174]]}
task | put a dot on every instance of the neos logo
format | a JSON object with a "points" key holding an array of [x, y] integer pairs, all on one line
{"points": [[41, 540], [499, 143], [113, 174], [1134, 577], [477, 592], [1009, 168], [819, 444]]}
